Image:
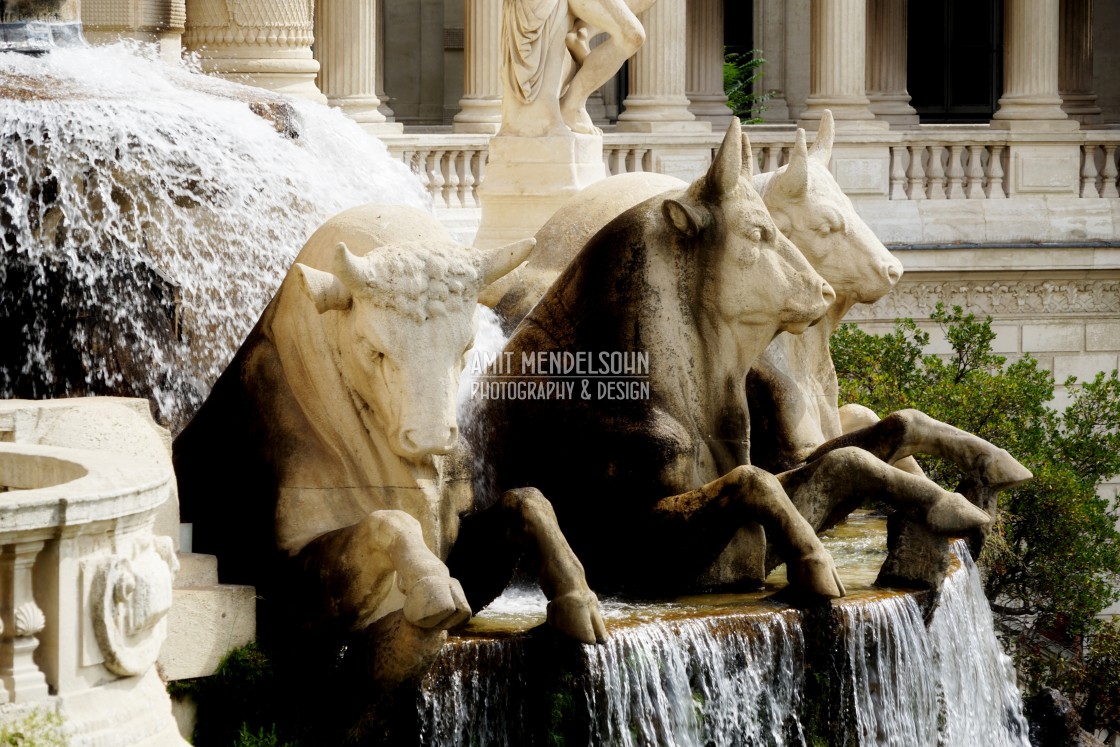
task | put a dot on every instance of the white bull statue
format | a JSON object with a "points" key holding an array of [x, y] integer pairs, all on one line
{"points": [[314, 468]]}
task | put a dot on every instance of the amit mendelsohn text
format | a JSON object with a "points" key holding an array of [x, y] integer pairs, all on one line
{"points": [[562, 363]]}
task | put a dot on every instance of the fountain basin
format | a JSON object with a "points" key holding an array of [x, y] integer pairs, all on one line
{"points": [[86, 584], [879, 666]]}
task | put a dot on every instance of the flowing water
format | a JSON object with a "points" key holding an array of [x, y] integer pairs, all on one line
{"points": [[148, 213], [736, 670]]}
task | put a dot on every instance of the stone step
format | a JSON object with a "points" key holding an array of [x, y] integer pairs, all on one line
{"points": [[205, 622], [196, 569]]}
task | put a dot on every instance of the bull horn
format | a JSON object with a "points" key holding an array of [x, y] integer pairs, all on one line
{"points": [[794, 179], [723, 174], [748, 158], [822, 146], [346, 267], [324, 289], [495, 263]]}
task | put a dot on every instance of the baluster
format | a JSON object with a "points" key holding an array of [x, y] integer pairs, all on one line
{"points": [[975, 189], [451, 189], [618, 162], [644, 159], [632, 160], [936, 173], [773, 157], [995, 174], [954, 190], [915, 174], [435, 177], [419, 167], [483, 160], [1109, 173], [469, 184], [898, 173], [1089, 171]]}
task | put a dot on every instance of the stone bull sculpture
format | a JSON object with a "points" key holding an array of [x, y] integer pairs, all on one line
{"points": [[649, 490], [314, 468], [792, 388]]}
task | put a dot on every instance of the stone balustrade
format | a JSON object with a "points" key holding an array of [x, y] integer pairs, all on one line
{"points": [[928, 163]]}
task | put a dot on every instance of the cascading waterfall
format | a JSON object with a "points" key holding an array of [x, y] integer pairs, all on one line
{"points": [[745, 672], [148, 213]]}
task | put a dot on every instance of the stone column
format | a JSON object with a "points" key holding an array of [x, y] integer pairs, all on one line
{"points": [[770, 35], [657, 101], [838, 66], [265, 43], [886, 62], [379, 73], [346, 48], [21, 620], [1030, 98], [480, 109], [704, 67], [159, 21], [1075, 66]]}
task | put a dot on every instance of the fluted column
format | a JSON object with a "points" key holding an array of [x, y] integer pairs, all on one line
{"points": [[480, 109], [1075, 66], [886, 62], [657, 100], [838, 66], [1030, 68], [346, 47], [704, 65]]}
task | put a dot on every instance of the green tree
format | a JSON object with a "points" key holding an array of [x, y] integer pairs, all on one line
{"points": [[741, 72], [1053, 559]]}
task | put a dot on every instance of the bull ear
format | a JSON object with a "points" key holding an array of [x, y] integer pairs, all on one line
{"points": [[325, 290], [822, 146], [685, 218], [794, 179], [495, 263], [723, 174]]}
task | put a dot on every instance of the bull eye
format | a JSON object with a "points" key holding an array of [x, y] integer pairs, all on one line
{"points": [[824, 230], [755, 235]]}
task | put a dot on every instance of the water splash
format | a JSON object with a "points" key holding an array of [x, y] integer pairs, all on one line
{"points": [[727, 673], [148, 213]]}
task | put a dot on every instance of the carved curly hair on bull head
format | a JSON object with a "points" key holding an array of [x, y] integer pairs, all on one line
{"points": [[418, 279]]}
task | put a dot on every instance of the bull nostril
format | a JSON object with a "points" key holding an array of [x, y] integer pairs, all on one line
{"points": [[893, 272], [828, 293]]}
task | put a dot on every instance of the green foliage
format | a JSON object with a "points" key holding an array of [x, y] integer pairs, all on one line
{"points": [[741, 71], [38, 727], [239, 704], [1053, 559]]}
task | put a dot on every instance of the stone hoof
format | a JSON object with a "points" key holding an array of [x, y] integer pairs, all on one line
{"points": [[1001, 471], [578, 43], [576, 615], [436, 602], [953, 514], [814, 576]]}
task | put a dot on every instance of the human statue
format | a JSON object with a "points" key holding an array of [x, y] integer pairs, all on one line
{"points": [[549, 67]]}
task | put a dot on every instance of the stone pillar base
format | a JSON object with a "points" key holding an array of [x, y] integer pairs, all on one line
{"points": [[657, 115], [478, 116], [528, 178], [849, 115], [894, 109], [1032, 114], [288, 76]]}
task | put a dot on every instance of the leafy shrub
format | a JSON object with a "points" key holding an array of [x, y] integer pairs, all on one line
{"points": [[38, 727], [741, 72], [1052, 561]]}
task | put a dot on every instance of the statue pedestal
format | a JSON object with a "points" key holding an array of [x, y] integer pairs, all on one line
{"points": [[528, 178]]}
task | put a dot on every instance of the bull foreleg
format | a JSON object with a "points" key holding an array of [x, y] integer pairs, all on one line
{"points": [[354, 568], [836, 483], [748, 494], [491, 542], [907, 432]]}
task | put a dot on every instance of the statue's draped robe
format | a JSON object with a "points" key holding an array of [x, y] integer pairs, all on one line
{"points": [[527, 25]]}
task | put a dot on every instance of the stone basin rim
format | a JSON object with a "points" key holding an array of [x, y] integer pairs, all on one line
{"points": [[113, 486]]}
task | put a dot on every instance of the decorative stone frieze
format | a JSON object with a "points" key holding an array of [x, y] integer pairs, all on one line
{"points": [[265, 43], [916, 299]]}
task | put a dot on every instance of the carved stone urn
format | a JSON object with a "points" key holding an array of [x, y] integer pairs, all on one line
{"points": [[265, 43]]}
